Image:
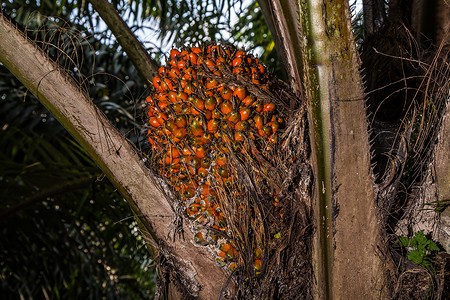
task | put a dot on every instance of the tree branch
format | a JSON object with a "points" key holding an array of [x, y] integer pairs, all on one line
{"points": [[284, 23], [141, 59], [114, 154]]}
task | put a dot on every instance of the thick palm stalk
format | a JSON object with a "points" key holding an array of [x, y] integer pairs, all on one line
{"points": [[141, 59], [114, 154], [348, 229], [347, 264], [282, 18]]}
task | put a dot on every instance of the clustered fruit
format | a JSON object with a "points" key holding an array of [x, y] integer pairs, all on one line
{"points": [[206, 111]]}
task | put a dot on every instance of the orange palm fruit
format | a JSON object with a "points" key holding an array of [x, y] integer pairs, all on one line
{"points": [[181, 64], [190, 214], [210, 64], [199, 103], [172, 96], [196, 50], [245, 113], [170, 125], [178, 108], [248, 101], [196, 128], [193, 58], [161, 118], [216, 114], [267, 130], [241, 126], [273, 139], [157, 82], [154, 122], [170, 160], [234, 117], [274, 125], [239, 136], [210, 103], [173, 73], [174, 52], [231, 253], [186, 151], [206, 138], [240, 92], [194, 162], [195, 207], [258, 265], [258, 121], [202, 172], [222, 171], [180, 133], [163, 104], [226, 93], [224, 247], [162, 71], [199, 238], [237, 62], [270, 106], [180, 121], [232, 267], [226, 107], [213, 125], [189, 88], [211, 83], [206, 190], [239, 53], [259, 107], [181, 96], [200, 151], [221, 159]]}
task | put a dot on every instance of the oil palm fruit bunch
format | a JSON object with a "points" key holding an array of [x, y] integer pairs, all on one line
{"points": [[215, 124]]}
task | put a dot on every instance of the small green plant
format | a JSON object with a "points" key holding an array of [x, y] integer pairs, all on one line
{"points": [[441, 205], [422, 248]]}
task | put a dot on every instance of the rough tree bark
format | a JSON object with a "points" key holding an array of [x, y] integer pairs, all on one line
{"points": [[347, 227], [141, 59]]}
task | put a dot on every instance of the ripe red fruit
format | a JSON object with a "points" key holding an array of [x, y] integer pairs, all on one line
{"points": [[237, 62], [269, 106], [154, 122], [201, 116], [226, 93], [174, 52], [240, 92], [226, 107], [157, 82]]}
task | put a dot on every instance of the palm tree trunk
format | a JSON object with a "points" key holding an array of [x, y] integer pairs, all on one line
{"points": [[347, 261]]}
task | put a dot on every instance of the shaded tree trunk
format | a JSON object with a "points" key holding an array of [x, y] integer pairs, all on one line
{"points": [[348, 237]]}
